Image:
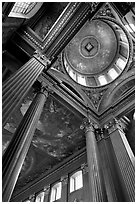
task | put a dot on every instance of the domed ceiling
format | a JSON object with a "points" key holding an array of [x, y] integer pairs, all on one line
{"points": [[97, 54]]}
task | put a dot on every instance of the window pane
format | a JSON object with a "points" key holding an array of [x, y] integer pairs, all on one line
{"points": [[71, 184], [121, 63], [40, 197], [78, 181], [113, 74], [102, 80], [53, 192], [81, 80], [58, 193]]}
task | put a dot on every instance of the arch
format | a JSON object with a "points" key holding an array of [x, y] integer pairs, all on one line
{"points": [[80, 93], [117, 90]]}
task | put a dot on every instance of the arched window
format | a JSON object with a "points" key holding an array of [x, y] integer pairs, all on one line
{"points": [[76, 181], [56, 192]]}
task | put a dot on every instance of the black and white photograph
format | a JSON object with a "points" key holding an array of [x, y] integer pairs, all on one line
{"points": [[68, 101]]}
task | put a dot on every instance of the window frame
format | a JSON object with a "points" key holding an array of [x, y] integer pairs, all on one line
{"points": [[54, 190], [73, 181]]}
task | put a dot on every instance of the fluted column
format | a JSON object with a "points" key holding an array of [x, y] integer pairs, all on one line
{"points": [[96, 183], [16, 152], [124, 157], [17, 86], [110, 175]]}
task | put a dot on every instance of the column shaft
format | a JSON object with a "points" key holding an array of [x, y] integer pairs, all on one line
{"points": [[17, 86], [125, 161], [96, 181], [19, 145]]}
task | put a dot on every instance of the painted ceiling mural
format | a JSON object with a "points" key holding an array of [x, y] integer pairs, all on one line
{"points": [[57, 136]]}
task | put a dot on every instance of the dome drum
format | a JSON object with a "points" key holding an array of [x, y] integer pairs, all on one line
{"points": [[98, 54]]}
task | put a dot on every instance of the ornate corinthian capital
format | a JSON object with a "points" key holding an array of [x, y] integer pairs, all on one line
{"points": [[87, 125]]}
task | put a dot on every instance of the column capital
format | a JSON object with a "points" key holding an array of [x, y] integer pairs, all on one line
{"points": [[32, 197], [47, 189], [87, 125], [41, 57], [45, 89], [115, 124], [84, 168], [64, 180], [99, 134]]}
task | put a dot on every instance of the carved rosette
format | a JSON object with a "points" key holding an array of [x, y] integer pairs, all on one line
{"points": [[84, 168], [64, 180]]}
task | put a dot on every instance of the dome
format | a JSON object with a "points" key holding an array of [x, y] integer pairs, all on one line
{"points": [[97, 54]]}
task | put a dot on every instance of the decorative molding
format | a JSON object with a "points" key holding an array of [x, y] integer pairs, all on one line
{"points": [[47, 189], [41, 58], [32, 197], [115, 124], [99, 134], [84, 168], [95, 95], [87, 125], [58, 64], [64, 180], [105, 11]]}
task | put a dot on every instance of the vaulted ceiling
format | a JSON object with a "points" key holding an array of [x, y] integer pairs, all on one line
{"points": [[58, 134]]}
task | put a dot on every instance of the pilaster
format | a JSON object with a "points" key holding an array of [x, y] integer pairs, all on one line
{"points": [[124, 158]]}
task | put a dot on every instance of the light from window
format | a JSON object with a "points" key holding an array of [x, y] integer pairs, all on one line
{"points": [[81, 80], [72, 74], [102, 80], [40, 197], [22, 9], [76, 181], [113, 74], [121, 63], [56, 192]]}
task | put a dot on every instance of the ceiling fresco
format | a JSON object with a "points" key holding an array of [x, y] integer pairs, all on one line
{"points": [[57, 136]]}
